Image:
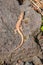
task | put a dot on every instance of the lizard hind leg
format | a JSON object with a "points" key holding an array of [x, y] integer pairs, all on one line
{"points": [[15, 31]]}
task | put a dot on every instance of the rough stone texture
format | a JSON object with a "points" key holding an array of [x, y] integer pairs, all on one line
{"points": [[9, 12]]}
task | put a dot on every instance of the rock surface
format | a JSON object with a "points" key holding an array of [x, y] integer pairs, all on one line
{"points": [[9, 12]]}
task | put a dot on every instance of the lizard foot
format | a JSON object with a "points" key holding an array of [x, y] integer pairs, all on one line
{"points": [[15, 31]]}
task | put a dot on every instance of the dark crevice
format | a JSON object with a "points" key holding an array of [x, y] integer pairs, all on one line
{"points": [[32, 63], [36, 40], [20, 2], [5, 63], [42, 9], [41, 60], [42, 34], [24, 63]]}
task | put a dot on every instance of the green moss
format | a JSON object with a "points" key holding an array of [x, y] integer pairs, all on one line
{"points": [[41, 28]]}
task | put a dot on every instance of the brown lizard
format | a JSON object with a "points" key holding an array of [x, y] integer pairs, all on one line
{"points": [[18, 29]]}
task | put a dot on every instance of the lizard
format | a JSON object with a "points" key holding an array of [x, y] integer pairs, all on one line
{"points": [[18, 29]]}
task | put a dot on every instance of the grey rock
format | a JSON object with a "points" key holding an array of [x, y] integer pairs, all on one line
{"points": [[9, 12]]}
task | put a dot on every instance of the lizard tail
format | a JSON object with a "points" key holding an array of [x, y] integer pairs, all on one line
{"points": [[21, 40]]}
